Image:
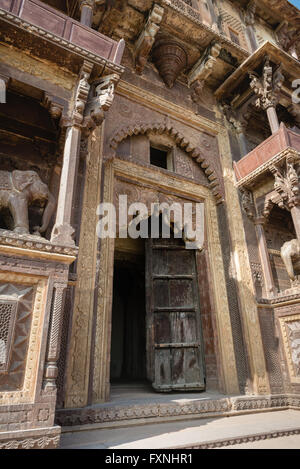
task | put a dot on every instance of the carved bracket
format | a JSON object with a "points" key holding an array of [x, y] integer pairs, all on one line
{"points": [[286, 186], [82, 92], [267, 86], [248, 205], [146, 39], [203, 69], [54, 105], [101, 102]]}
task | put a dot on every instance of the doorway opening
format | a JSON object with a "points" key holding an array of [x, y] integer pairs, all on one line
{"points": [[128, 337]]}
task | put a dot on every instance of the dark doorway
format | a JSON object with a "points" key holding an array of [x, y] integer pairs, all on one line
{"points": [[128, 339]]}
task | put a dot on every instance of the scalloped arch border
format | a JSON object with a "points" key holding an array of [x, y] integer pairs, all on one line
{"points": [[181, 141]]}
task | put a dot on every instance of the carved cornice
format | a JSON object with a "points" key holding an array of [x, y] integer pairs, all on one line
{"points": [[35, 246], [159, 104], [146, 39]]}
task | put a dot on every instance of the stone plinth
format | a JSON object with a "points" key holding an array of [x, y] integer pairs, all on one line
{"points": [[33, 277]]}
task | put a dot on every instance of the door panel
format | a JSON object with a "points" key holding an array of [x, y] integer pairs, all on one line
{"points": [[174, 335]]}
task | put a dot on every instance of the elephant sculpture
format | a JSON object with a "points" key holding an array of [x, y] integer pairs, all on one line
{"points": [[18, 190], [290, 254]]}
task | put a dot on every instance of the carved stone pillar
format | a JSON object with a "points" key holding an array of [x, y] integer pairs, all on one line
{"points": [[214, 19], [250, 22], [62, 231], [267, 88], [239, 123], [264, 256], [3, 86], [54, 336], [259, 221], [86, 12]]}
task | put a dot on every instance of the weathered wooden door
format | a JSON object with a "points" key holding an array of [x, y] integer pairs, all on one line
{"points": [[174, 336]]}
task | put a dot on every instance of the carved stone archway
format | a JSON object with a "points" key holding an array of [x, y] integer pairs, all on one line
{"points": [[180, 140]]}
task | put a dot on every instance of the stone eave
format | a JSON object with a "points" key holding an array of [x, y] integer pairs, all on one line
{"points": [[72, 49], [276, 55], [235, 49]]}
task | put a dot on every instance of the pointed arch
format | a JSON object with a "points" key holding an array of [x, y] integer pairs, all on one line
{"points": [[180, 140]]}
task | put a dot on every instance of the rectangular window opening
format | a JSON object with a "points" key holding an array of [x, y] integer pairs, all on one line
{"points": [[234, 36], [161, 158]]}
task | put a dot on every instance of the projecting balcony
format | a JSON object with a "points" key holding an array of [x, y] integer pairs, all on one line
{"points": [[53, 25], [252, 167]]}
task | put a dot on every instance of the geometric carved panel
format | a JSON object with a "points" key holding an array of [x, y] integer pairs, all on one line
{"points": [[290, 328], [16, 303], [8, 309]]}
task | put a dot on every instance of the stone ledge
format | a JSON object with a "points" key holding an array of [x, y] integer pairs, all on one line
{"points": [[205, 408], [41, 438], [35, 246]]}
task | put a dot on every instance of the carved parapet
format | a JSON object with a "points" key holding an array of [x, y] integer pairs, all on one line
{"points": [[146, 39]]}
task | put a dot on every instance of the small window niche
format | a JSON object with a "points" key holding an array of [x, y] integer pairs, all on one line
{"points": [[234, 36], [161, 157]]}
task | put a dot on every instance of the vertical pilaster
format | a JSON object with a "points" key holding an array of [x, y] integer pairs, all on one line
{"points": [[259, 383], [54, 337], [264, 256]]}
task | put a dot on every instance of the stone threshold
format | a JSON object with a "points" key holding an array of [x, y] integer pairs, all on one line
{"points": [[201, 433], [141, 413], [240, 439]]}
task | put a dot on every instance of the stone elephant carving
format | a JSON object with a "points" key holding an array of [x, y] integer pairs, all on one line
{"points": [[19, 189], [290, 254]]}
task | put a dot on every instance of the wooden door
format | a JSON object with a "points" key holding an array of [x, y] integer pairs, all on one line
{"points": [[174, 336]]}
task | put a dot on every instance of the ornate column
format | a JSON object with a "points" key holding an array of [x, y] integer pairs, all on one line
{"points": [[264, 256], [86, 12], [63, 231], [86, 115], [238, 122], [78, 368], [54, 336], [267, 89], [3, 86], [250, 21], [259, 221]]}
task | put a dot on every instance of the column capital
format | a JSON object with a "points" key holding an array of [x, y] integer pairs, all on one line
{"points": [[267, 86]]}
